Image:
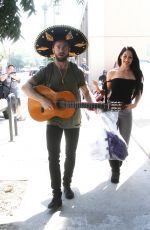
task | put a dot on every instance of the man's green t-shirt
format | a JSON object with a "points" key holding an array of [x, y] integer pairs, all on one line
{"points": [[73, 79]]}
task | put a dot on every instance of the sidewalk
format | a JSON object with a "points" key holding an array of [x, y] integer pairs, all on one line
{"points": [[140, 133], [98, 204]]}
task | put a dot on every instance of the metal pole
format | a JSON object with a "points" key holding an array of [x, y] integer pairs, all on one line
{"points": [[15, 116], [10, 118], [12, 115]]}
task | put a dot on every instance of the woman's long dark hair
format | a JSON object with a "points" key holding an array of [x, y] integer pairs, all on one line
{"points": [[135, 68]]}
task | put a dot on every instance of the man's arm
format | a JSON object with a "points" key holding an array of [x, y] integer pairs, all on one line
{"points": [[3, 77], [87, 93], [15, 77], [28, 89]]}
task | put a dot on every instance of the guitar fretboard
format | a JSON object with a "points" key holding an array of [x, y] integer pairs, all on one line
{"points": [[76, 105]]}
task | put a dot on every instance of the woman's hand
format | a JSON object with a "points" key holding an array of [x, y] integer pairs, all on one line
{"points": [[129, 106]]}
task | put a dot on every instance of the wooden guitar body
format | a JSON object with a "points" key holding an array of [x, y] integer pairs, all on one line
{"points": [[40, 114]]}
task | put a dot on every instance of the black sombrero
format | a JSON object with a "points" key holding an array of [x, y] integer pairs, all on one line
{"points": [[76, 39]]}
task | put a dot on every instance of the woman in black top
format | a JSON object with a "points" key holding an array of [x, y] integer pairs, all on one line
{"points": [[125, 84]]}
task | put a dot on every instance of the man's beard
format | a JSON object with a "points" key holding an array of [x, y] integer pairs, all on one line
{"points": [[61, 59]]}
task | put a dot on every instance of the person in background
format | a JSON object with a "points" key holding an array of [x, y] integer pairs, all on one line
{"points": [[125, 84], [12, 80], [60, 42], [98, 86], [102, 78], [84, 67]]}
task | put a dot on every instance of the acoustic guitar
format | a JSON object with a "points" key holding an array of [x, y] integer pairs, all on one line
{"points": [[64, 104]]}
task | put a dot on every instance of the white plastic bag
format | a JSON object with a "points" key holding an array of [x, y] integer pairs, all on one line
{"points": [[117, 146], [96, 137], [104, 140]]}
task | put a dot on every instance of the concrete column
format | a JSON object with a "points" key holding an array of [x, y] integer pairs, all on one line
{"points": [[96, 38]]}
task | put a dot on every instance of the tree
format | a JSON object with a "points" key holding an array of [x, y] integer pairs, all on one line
{"points": [[10, 24], [10, 14], [17, 60]]}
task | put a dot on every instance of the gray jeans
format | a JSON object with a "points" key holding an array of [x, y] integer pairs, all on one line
{"points": [[125, 124]]}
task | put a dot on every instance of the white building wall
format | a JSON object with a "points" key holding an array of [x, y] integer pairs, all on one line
{"points": [[113, 24], [95, 37]]}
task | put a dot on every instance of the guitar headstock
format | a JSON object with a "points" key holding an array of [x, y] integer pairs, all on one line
{"points": [[115, 106]]}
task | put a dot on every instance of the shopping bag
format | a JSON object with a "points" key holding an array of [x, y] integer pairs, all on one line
{"points": [[104, 140], [118, 149]]}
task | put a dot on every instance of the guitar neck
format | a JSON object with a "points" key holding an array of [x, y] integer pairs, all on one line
{"points": [[76, 105], [88, 105]]}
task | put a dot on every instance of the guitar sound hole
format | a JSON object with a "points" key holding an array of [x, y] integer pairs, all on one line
{"points": [[60, 104], [42, 110]]}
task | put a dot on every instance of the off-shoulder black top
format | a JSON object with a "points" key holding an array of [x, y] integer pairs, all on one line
{"points": [[122, 90]]}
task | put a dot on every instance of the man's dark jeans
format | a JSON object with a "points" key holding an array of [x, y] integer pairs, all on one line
{"points": [[54, 137]]}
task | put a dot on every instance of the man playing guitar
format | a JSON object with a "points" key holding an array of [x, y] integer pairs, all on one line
{"points": [[60, 42]]}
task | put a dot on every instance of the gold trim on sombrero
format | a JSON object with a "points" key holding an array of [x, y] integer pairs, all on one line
{"points": [[69, 36], [49, 37], [80, 45], [72, 54], [42, 48], [77, 40]]}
